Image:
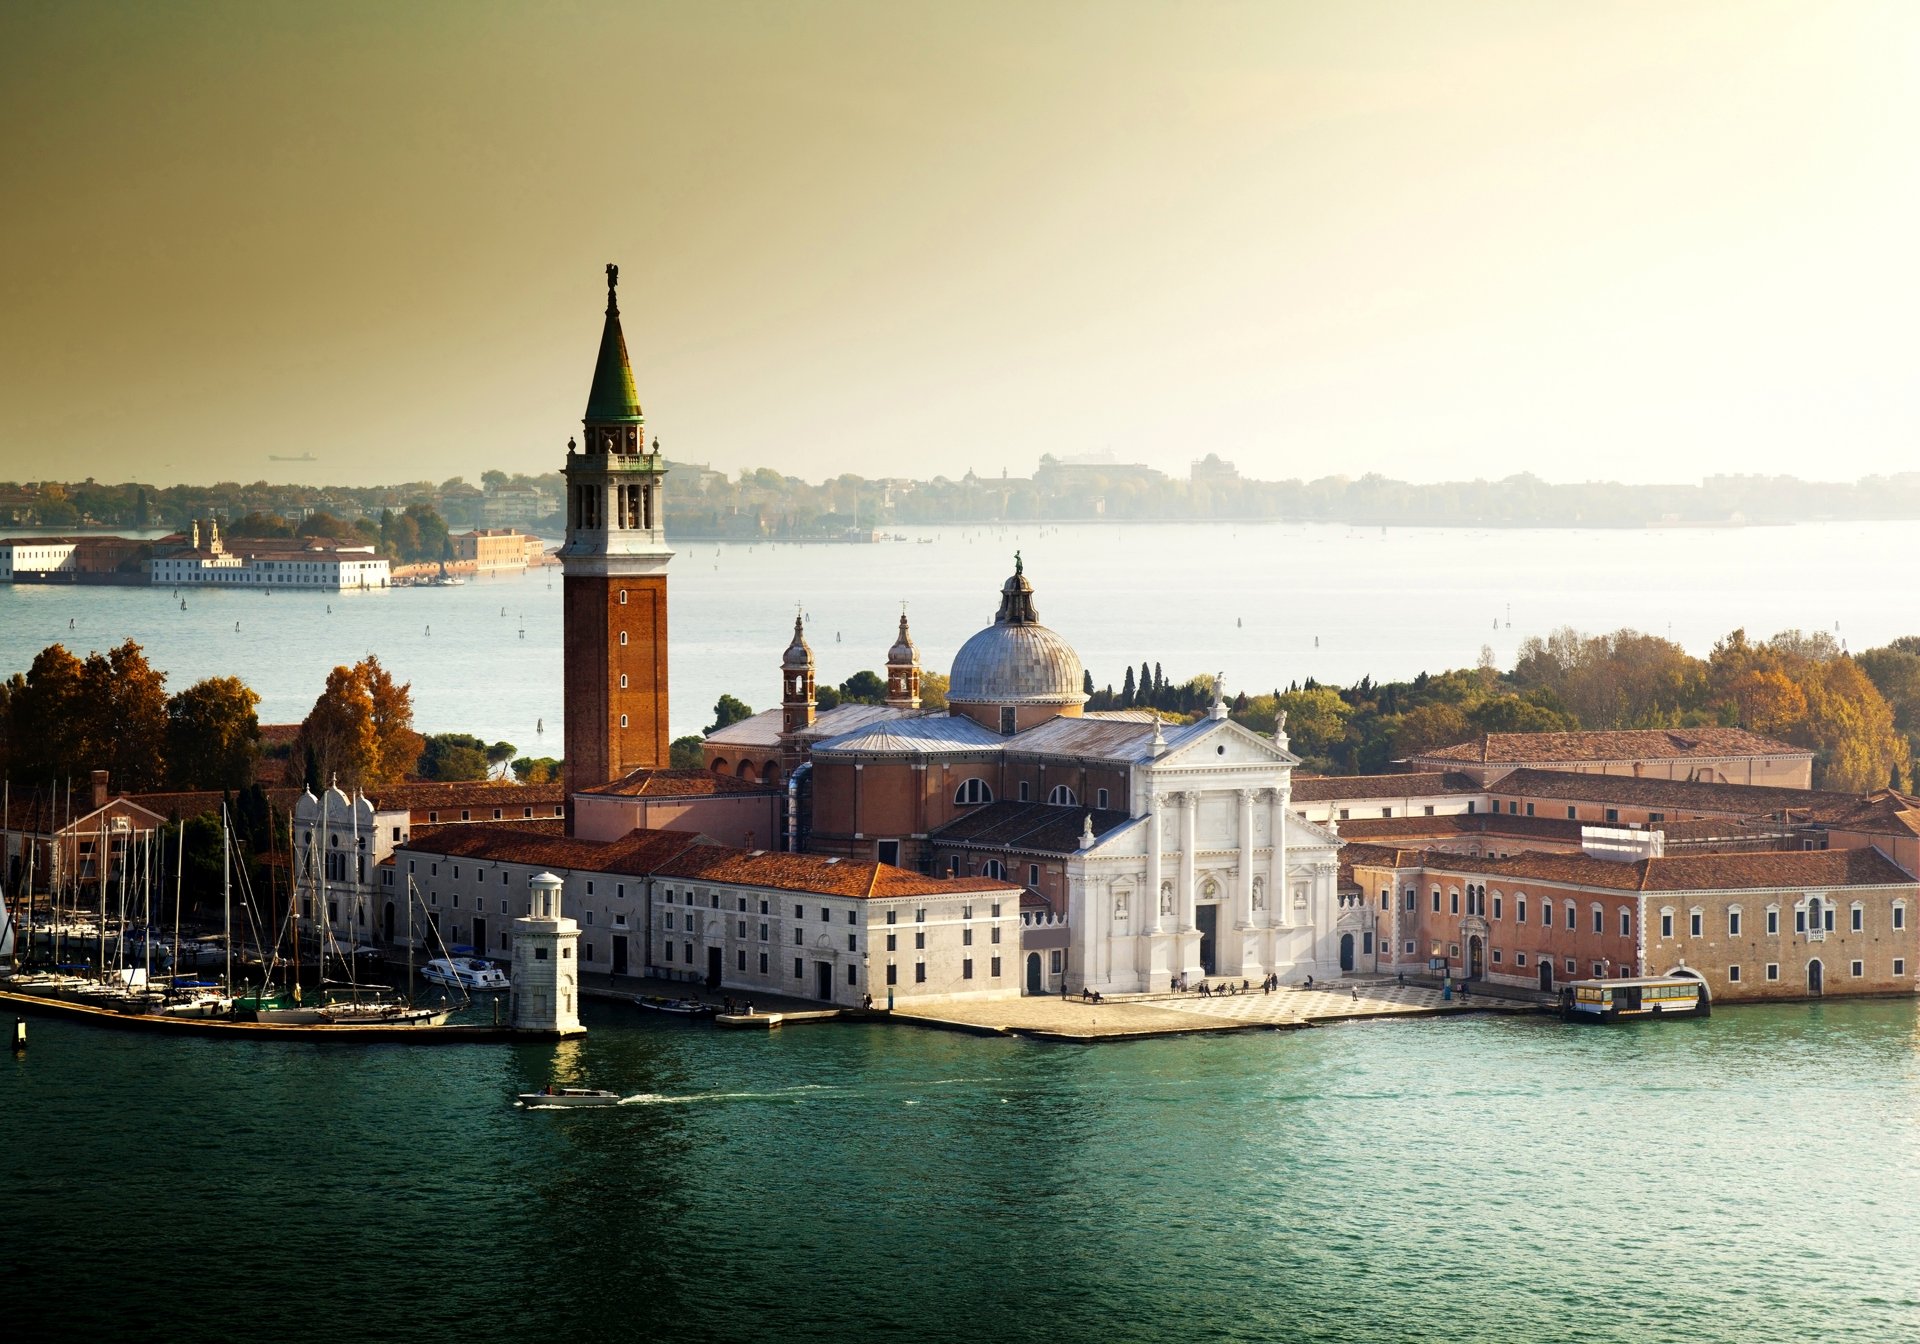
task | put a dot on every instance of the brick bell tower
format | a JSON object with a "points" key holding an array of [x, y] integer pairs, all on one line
{"points": [[615, 567]]}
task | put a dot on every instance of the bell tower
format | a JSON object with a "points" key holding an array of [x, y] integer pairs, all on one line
{"points": [[615, 567], [903, 670], [796, 681]]}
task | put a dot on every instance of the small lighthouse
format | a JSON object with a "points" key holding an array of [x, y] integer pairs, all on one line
{"points": [[546, 967]]}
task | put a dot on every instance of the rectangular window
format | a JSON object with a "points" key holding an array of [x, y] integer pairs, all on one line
{"points": [[1773, 970], [1733, 975], [1733, 923], [1546, 914], [1573, 814], [1343, 814], [996, 968], [888, 852], [1519, 958], [853, 975], [1693, 924], [1411, 896], [1496, 905], [1666, 925], [1613, 814], [1409, 950], [1436, 900], [1799, 921], [1100, 799], [1023, 790], [893, 974], [763, 930], [920, 941], [1899, 965], [1453, 902], [1773, 921], [763, 963], [1529, 809], [1570, 970], [966, 968], [1626, 925], [919, 972], [1058, 961], [1513, 809], [1826, 919], [1496, 956], [799, 969], [741, 957], [1899, 916], [1599, 921], [893, 942], [742, 927], [1859, 917], [1033, 875], [1520, 909], [966, 937], [853, 942], [1859, 969]]}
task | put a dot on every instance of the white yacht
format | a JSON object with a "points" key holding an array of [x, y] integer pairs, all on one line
{"points": [[473, 974]]}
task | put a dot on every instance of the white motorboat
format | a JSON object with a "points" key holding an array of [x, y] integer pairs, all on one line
{"points": [[473, 974], [570, 1096], [653, 1003]]}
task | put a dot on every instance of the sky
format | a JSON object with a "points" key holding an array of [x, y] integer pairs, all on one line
{"points": [[1631, 241]]}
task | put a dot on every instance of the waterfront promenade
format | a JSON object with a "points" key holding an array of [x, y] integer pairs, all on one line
{"points": [[1350, 999]]}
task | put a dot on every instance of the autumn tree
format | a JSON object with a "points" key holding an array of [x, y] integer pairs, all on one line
{"points": [[360, 730], [67, 716], [213, 735], [1316, 721], [933, 690]]}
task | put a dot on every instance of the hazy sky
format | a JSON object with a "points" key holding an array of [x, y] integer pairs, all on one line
{"points": [[1636, 241]]}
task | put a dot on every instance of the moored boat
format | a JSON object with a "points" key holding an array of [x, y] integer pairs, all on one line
{"points": [[654, 1003], [1634, 998], [469, 973]]}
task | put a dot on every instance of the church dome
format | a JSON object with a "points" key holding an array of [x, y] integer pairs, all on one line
{"points": [[1016, 660]]}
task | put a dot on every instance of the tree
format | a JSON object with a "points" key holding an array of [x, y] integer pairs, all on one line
{"points": [[360, 730], [500, 755], [1126, 689], [863, 688], [213, 735], [684, 754], [1430, 726], [1086, 683], [124, 708], [454, 756], [538, 769], [1850, 727], [43, 733], [933, 690], [1316, 721], [728, 710]]}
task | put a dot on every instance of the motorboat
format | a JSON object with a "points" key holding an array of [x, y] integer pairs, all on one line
{"points": [[474, 974], [363, 1011], [654, 1003], [570, 1096]]}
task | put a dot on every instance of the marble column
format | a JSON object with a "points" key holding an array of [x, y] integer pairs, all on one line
{"points": [[1243, 887], [1148, 920], [1189, 843], [1279, 898]]}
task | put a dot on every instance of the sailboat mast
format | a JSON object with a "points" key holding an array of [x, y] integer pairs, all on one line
{"points": [[100, 863], [179, 869], [226, 888]]}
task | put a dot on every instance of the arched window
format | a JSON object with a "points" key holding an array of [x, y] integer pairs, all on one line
{"points": [[994, 869], [1062, 796], [719, 765], [973, 791]]}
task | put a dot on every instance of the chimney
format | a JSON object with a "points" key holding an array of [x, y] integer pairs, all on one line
{"points": [[99, 788]]}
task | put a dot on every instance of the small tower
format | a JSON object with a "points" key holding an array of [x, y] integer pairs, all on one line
{"points": [[546, 967], [796, 681], [903, 670]]}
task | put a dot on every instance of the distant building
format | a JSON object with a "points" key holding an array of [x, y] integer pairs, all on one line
{"points": [[267, 562], [494, 550], [1212, 471]]}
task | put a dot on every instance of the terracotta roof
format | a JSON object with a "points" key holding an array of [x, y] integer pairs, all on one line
{"points": [[278, 734], [645, 783], [198, 802], [1689, 872], [816, 875], [1413, 784], [1670, 794], [1035, 827], [415, 796], [636, 854], [1460, 823], [1619, 745]]}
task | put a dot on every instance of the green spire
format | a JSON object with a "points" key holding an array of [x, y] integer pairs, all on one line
{"points": [[612, 399]]}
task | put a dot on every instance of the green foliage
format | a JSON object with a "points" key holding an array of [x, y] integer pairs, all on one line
{"points": [[454, 756], [728, 710], [213, 735], [538, 769], [684, 754], [864, 688]]}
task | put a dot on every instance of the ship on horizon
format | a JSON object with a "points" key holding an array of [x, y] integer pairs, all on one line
{"points": [[304, 457]]}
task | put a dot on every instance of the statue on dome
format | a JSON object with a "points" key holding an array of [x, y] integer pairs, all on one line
{"points": [[1018, 566]]}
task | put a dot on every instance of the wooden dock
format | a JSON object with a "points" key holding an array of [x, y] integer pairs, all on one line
{"points": [[344, 1033]]}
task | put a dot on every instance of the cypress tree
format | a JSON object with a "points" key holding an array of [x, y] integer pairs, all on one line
{"points": [[1126, 690]]}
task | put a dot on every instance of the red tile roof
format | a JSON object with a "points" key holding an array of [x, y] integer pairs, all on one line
{"points": [[822, 876], [1620, 745], [1411, 784], [418, 795], [1743, 871], [1385, 829], [679, 784], [539, 845]]}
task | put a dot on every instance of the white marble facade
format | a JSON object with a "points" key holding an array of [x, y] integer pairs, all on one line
{"points": [[1214, 878]]}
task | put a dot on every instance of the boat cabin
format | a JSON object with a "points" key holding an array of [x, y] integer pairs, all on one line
{"points": [[1627, 999]]}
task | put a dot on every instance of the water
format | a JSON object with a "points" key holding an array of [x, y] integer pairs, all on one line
{"points": [[1266, 603], [1747, 1178]]}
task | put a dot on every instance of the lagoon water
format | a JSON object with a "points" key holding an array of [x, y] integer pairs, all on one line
{"points": [[1747, 1178], [1266, 603]]}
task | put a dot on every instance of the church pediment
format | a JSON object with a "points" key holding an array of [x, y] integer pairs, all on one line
{"points": [[1212, 743]]}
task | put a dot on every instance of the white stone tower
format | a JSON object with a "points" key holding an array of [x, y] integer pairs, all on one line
{"points": [[546, 965]]}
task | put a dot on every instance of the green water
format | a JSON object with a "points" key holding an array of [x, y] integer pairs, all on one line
{"points": [[1752, 1177]]}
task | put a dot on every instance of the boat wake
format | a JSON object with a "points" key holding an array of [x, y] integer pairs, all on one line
{"points": [[799, 1093]]}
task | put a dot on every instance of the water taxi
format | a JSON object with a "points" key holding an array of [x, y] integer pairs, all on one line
{"points": [[570, 1096], [1630, 999], [469, 973]]}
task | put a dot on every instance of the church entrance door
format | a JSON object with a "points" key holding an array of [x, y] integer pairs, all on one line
{"points": [[1207, 919], [1475, 955], [1346, 951], [1034, 983], [1546, 975]]}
